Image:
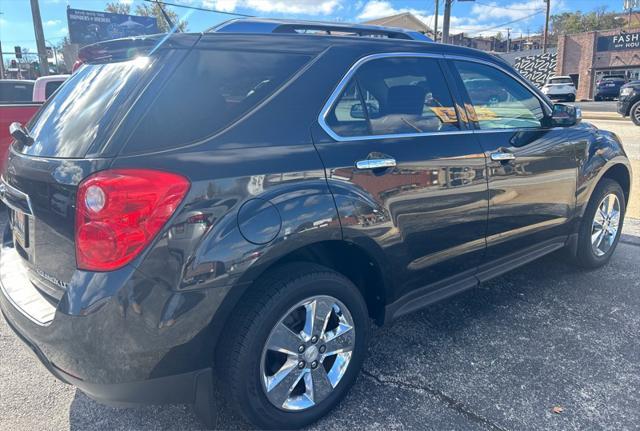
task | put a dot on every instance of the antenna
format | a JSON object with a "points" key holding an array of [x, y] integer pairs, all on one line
{"points": [[167, 18]]}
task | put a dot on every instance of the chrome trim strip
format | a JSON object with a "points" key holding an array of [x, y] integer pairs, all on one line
{"points": [[353, 69], [6, 187]]}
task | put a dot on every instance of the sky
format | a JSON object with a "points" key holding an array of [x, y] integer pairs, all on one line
{"points": [[481, 17]]}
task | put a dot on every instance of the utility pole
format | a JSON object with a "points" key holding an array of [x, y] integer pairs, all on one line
{"points": [[435, 31], [508, 39], [37, 29], [1, 63], [545, 41], [447, 19]]}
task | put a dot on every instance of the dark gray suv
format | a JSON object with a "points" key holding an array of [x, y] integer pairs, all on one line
{"points": [[231, 209]]}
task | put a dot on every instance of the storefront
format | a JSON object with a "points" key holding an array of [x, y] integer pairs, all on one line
{"points": [[587, 57]]}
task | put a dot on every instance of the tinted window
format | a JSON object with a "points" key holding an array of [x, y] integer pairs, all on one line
{"points": [[51, 87], [395, 96], [560, 81], [14, 92], [208, 91], [499, 101], [83, 110]]}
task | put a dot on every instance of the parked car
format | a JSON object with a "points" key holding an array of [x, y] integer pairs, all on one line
{"points": [[629, 101], [608, 88], [306, 221], [20, 100], [560, 88]]}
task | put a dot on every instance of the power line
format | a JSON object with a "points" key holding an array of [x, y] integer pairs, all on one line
{"points": [[494, 6], [507, 23], [200, 8]]}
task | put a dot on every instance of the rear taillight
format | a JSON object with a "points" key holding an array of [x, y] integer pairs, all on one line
{"points": [[120, 211]]}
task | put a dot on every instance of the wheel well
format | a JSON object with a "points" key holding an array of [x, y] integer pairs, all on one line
{"points": [[620, 174], [351, 261]]}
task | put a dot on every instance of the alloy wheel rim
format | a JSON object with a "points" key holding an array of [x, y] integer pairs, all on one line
{"points": [[307, 353], [606, 222], [636, 114]]}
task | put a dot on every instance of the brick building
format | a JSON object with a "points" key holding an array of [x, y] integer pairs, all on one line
{"points": [[587, 57]]}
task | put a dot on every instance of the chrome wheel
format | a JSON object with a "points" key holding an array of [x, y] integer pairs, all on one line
{"points": [[636, 114], [604, 228], [307, 353]]}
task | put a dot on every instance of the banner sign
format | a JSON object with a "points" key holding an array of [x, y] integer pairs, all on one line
{"points": [[619, 42], [86, 26]]}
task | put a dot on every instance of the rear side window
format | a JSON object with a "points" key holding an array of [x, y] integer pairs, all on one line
{"points": [[209, 91], [394, 96], [51, 87], [16, 92]]}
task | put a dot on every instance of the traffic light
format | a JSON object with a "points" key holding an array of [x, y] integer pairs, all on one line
{"points": [[14, 64], [18, 51], [36, 66]]}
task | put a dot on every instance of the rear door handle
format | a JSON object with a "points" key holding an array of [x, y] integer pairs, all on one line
{"points": [[376, 163], [501, 156]]}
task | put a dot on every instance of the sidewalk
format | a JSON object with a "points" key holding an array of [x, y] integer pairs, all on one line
{"points": [[591, 115]]}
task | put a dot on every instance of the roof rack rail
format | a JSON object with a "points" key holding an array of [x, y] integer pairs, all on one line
{"points": [[265, 26]]}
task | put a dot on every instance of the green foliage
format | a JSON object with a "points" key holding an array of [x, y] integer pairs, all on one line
{"points": [[578, 22], [148, 9]]}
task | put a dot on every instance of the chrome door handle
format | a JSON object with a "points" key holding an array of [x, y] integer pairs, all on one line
{"points": [[502, 156], [376, 164]]}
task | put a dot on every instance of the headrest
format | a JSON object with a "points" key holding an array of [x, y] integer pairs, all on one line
{"points": [[406, 99]]}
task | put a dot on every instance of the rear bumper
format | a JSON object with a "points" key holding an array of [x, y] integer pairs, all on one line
{"points": [[120, 337]]}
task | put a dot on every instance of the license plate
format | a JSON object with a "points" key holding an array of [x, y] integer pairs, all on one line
{"points": [[20, 225], [610, 85]]}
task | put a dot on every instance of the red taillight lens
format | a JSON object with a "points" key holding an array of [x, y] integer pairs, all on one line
{"points": [[119, 212]]}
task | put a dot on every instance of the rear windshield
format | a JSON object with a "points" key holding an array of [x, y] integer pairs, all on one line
{"points": [[16, 92], [208, 92], [560, 81], [81, 112]]}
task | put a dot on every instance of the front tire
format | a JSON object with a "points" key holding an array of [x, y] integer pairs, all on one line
{"points": [[294, 346], [634, 113], [601, 225]]}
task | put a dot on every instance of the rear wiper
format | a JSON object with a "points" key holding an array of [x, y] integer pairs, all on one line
{"points": [[20, 134]]}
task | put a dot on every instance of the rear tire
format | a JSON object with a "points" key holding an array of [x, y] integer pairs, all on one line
{"points": [[600, 228], [571, 98], [634, 113], [277, 370]]}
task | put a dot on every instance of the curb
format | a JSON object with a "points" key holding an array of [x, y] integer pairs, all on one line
{"points": [[630, 240], [614, 116]]}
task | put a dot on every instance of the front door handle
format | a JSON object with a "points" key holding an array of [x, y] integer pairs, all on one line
{"points": [[376, 163], [502, 156]]}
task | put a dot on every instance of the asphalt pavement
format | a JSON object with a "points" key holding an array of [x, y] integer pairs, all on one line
{"points": [[501, 357]]}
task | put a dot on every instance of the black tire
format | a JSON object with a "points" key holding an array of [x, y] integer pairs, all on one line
{"points": [[571, 98], [239, 356], [586, 256], [598, 98], [634, 113]]}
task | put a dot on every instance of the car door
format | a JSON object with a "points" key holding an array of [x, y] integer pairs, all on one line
{"points": [[532, 168], [406, 173]]}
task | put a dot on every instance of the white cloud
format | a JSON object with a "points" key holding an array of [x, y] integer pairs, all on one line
{"points": [[510, 11], [304, 7], [381, 8], [52, 22]]}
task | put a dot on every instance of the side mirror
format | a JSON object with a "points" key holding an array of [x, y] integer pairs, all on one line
{"points": [[565, 115], [357, 111]]}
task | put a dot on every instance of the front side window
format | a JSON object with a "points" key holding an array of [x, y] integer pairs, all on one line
{"points": [[499, 101], [394, 96]]}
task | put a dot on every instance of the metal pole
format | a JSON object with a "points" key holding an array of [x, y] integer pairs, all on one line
{"points": [[508, 39], [546, 28], [447, 19], [1, 63], [37, 29], [435, 31]]}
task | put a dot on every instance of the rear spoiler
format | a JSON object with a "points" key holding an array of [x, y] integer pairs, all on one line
{"points": [[131, 47]]}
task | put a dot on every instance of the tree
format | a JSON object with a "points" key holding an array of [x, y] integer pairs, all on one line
{"points": [[154, 9], [147, 9], [117, 7], [578, 22], [499, 36]]}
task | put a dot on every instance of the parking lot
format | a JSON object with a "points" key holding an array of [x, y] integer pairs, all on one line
{"points": [[501, 357]]}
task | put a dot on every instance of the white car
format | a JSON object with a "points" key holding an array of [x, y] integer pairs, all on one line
{"points": [[560, 87], [45, 86]]}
